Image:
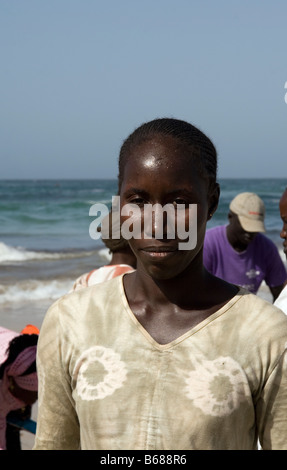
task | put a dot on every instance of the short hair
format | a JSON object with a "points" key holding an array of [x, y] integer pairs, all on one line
{"points": [[203, 151]]}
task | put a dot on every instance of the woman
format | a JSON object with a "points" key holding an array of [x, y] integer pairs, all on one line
{"points": [[18, 380], [169, 356]]}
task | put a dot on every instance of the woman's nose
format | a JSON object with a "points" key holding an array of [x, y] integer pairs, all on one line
{"points": [[159, 222]]}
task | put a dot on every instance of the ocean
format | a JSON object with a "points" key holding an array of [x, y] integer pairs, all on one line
{"points": [[45, 243]]}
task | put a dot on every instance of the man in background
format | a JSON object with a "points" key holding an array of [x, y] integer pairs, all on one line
{"points": [[240, 253]]}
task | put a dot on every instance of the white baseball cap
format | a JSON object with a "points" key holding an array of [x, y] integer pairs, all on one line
{"points": [[250, 210]]}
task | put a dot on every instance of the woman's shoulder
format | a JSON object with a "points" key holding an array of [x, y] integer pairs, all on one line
{"points": [[88, 297], [77, 313], [259, 317]]}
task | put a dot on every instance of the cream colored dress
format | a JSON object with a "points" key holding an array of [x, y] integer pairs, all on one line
{"points": [[106, 384]]}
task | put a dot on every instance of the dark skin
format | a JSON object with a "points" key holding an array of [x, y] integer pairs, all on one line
{"points": [[124, 256], [168, 291], [239, 239], [283, 215]]}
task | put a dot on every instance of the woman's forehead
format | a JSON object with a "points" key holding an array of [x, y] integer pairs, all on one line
{"points": [[159, 152], [151, 177], [158, 171], [164, 161]]}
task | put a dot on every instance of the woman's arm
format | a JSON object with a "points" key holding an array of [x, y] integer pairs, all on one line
{"points": [[57, 423]]}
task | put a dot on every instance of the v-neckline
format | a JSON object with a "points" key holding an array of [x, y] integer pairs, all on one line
{"points": [[188, 333]]}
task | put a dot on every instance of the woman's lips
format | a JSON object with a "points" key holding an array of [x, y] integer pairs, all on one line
{"points": [[159, 252]]}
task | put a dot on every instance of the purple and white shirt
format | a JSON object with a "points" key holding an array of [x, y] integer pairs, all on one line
{"points": [[259, 262]]}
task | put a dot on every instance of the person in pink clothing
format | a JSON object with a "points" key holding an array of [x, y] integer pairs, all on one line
{"points": [[18, 380]]}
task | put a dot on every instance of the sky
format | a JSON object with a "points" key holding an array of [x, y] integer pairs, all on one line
{"points": [[78, 76]]}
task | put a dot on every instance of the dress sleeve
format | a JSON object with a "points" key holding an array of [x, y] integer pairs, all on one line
{"points": [[57, 422], [271, 409]]}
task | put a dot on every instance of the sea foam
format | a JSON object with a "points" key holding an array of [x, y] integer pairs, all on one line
{"points": [[33, 290], [10, 254]]}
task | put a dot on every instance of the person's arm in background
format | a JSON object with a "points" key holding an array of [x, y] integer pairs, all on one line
{"points": [[276, 277]]}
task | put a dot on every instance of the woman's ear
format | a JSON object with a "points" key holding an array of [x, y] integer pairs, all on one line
{"points": [[214, 194]]}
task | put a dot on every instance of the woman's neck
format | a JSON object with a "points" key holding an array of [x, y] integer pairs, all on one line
{"points": [[170, 307], [185, 290]]}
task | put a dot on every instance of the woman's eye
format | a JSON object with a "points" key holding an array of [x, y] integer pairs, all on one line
{"points": [[139, 201], [179, 203]]}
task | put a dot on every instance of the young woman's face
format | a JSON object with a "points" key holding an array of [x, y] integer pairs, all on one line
{"points": [[161, 171]]}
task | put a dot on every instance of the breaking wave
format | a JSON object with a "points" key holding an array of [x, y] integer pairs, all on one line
{"points": [[10, 254], [32, 289]]}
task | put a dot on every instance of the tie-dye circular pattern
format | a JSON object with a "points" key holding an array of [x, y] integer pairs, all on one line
{"points": [[217, 387], [99, 372]]}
